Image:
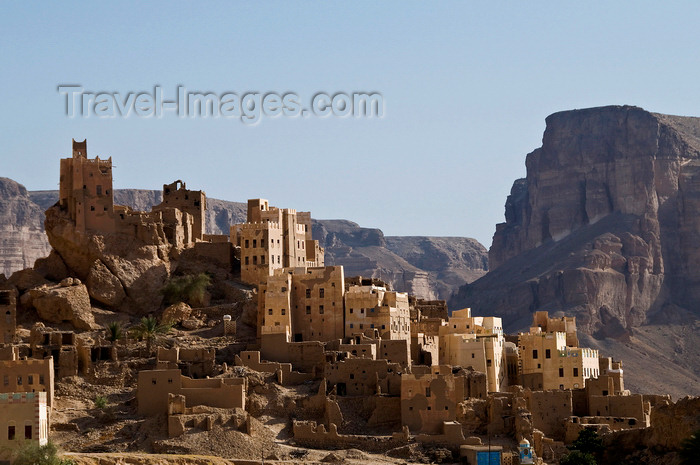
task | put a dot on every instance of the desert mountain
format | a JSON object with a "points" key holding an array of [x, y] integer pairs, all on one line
{"points": [[605, 227]]}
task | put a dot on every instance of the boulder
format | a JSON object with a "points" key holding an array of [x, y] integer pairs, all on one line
{"points": [[192, 323], [103, 286], [57, 304], [176, 313], [26, 279], [52, 267]]}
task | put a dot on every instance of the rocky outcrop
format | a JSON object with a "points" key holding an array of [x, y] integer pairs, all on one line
{"points": [[22, 238], [127, 270], [176, 313], [604, 226], [104, 287], [66, 302]]}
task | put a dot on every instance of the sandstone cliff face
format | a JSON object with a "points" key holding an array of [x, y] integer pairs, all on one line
{"points": [[604, 227], [22, 238], [605, 224]]}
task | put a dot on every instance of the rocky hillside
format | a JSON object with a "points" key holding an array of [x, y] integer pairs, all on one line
{"points": [[605, 227], [430, 267], [22, 238]]}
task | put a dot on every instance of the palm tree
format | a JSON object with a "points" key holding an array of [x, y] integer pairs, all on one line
{"points": [[149, 329], [689, 448], [114, 331]]}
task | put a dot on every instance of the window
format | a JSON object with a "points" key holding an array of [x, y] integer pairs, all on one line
{"points": [[255, 243], [170, 381], [41, 379], [427, 392], [10, 433], [19, 381], [534, 353], [99, 190], [472, 354], [255, 259], [548, 354], [247, 244], [262, 259], [27, 431], [278, 259], [153, 381], [320, 309], [488, 362], [247, 261], [284, 312], [351, 310], [351, 325], [30, 379], [308, 309], [561, 372], [383, 326], [352, 376], [6, 380], [308, 293], [321, 292], [575, 371], [269, 311]]}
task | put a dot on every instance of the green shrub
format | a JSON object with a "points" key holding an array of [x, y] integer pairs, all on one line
{"points": [[31, 453], [100, 402], [190, 289], [587, 442]]}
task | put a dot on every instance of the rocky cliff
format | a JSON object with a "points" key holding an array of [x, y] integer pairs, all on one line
{"points": [[426, 266], [22, 238], [604, 227], [429, 267]]}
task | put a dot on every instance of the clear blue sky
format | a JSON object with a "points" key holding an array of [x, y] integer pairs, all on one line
{"points": [[466, 87]]}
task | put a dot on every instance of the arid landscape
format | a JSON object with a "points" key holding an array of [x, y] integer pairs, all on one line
{"points": [[285, 339]]}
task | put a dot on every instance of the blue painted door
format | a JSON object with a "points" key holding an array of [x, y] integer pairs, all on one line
{"points": [[484, 458]]}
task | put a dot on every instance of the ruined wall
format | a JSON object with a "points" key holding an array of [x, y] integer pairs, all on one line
{"points": [[429, 400], [364, 377], [8, 315], [154, 387], [549, 410], [176, 195]]}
